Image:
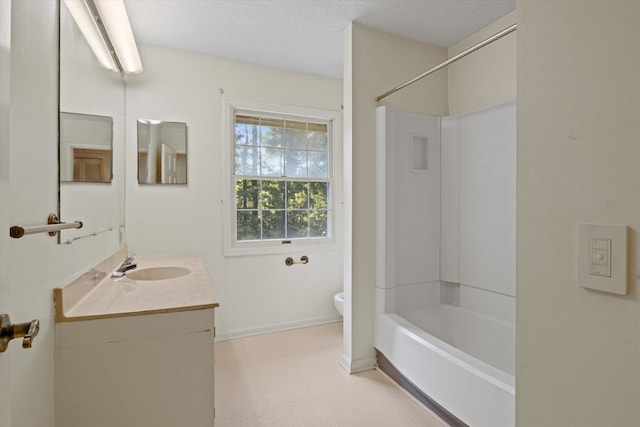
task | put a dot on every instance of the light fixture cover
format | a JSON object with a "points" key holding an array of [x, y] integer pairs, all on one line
{"points": [[113, 16]]}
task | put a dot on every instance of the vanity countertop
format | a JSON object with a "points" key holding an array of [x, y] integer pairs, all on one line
{"points": [[96, 295]]}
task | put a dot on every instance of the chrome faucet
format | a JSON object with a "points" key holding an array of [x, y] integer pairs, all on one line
{"points": [[127, 264]]}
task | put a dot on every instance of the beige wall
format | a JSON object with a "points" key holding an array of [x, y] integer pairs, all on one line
{"points": [[374, 62], [258, 293], [578, 351], [487, 76]]}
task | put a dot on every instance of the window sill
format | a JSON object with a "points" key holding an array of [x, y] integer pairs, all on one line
{"points": [[277, 247]]}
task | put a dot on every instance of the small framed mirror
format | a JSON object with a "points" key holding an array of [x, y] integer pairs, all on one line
{"points": [[86, 148], [162, 152]]}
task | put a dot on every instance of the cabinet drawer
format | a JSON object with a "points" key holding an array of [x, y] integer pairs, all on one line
{"points": [[88, 332]]}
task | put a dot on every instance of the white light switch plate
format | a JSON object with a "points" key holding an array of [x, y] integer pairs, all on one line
{"points": [[602, 257]]}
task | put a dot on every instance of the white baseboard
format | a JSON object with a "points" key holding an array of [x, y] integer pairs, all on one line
{"points": [[277, 327], [358, 365]]}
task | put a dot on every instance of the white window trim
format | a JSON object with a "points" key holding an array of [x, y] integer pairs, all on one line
{"points": [[235, 248]]}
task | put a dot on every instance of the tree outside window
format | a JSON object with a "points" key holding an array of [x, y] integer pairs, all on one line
{"points": [[282, 178]]}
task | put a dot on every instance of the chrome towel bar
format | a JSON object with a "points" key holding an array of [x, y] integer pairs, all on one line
{"points": [[53, 226]]}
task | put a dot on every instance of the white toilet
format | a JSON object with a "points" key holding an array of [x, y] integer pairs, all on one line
{"points": [[338, 301]]}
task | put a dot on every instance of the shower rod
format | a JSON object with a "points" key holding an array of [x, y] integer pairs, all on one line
{"points": [[448, 61]]}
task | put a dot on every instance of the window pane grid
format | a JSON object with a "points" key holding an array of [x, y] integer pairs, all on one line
{"points": [[281, 209], [282, 179], [267, 146]]}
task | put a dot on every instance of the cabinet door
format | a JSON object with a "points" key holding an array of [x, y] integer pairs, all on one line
{"points": [[141, 377]]}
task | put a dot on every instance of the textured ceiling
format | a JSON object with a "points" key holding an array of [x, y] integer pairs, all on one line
{"points": [[301, 35]]}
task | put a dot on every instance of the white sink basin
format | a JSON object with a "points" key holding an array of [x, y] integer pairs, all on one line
{"points": [[158, 273]]}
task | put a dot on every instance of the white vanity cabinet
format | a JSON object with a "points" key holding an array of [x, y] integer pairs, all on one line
{"points": [[135, 351], [151, 370]]}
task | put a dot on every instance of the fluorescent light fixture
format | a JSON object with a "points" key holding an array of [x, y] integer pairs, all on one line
{"points": [[105, 26]]}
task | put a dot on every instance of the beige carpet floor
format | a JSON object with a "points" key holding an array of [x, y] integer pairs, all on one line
{"points": [[293, 378]]}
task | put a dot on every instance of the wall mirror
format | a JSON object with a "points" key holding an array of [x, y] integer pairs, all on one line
{"points": [[85, 147], [162, 152], [92, 106]]}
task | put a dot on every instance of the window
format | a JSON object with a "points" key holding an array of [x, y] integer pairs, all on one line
{"points": [[282, 179]]}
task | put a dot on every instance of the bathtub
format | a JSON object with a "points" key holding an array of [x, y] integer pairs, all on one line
{"points": [[445, 259], [461, 357]]}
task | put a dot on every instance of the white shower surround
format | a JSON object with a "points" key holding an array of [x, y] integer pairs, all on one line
{"points": [[457, 346]]}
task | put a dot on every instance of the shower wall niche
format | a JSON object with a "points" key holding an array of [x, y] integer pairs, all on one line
{"points": [[411, 236]]}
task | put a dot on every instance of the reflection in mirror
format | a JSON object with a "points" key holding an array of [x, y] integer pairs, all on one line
{"points": [[89, 93], [85, 147], [162, 152]]}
